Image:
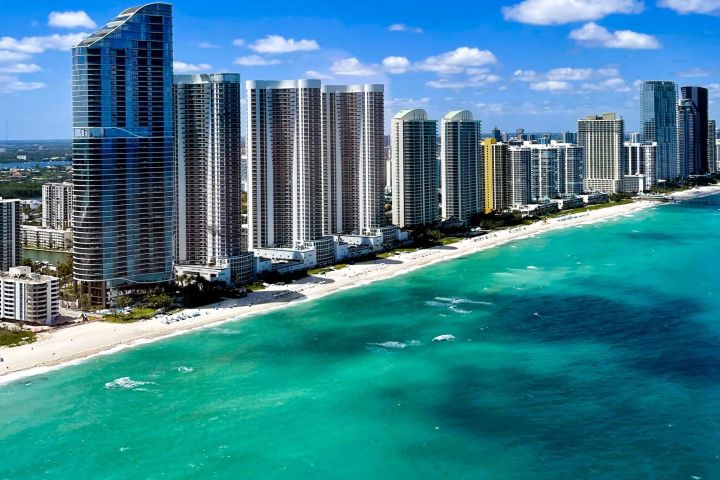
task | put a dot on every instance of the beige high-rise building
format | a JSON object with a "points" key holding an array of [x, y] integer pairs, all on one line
{"points": [[57, 203], [461, 166], [602, 139], [415, 169], [353, 166], [284, 148]]}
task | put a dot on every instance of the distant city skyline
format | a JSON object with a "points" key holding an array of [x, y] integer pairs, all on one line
{"points": [[536, 64]]}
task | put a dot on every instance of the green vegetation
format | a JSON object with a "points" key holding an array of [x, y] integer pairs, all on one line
{"points": [[256, 286], [324, 270], [13, 337], [136, 314], [27, 184]]}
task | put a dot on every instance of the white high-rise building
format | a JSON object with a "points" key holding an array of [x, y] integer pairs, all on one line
{"points": [[29, 297], [284, 147], [207, 122], [10, 233], [519, 175], [641, 160], [602, 138], [353, 166], [556, 170], [57, 203], [461, 166], [415, 169]]}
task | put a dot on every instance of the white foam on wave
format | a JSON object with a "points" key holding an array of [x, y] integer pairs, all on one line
{"points": [[458, 301], [532, 267], [430, 303], [390, 345], [183, 369], [126, 383], [459, 310]]}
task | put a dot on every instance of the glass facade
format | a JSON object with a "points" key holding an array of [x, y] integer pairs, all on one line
{"points": [[123, 166], [658, 117]]}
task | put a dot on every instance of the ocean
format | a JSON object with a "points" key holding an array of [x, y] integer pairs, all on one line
{"points": [[590, 352]]}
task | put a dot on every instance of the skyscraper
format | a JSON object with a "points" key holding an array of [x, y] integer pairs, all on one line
{"points": [[207, 150], [658, 123], [488, 174], [10, 234], [123, 167], [687, 138], [461, 166], [353, 166], [518, 181], [601, 137], [57, 204], [501, 191], [284, 163], [415, 169], [712, 154], [699, 98]]}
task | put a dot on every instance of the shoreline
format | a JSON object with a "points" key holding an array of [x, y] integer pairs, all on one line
{"points": [[73, 345]]}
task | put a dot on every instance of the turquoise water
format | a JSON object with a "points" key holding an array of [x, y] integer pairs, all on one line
{"points": [[592, 352]]}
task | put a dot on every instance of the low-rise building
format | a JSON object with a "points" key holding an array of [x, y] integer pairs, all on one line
{"points": [[573, 202], [46, 238], [596, 198], [538, 209], [29, 297]]}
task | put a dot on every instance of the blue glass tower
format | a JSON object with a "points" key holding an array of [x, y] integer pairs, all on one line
{"points": [[658, 117], [123, 166]]}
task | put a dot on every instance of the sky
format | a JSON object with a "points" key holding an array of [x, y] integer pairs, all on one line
{"points": [[535, 64]]}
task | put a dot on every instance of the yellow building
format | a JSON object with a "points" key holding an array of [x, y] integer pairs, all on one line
{"points": [[488, 177]]}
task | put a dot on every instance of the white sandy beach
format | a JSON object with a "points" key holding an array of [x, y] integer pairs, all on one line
{"points": [[73, 344]]}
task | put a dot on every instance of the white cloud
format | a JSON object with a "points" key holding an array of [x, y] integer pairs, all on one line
{"points": [[20, 68], [279, 44], [609, 85], [351, 67], [255, 61], [71, 19], [394, 104], [457, 60], [11, 84], [684, 7], [551, 86], [33, 45], [694, 72], [593, 35], [182, 67], [207, 45], [567, 73], [238, 42], [525, 75], [6, 56], [318, 75], [396, 65], [479, 79], [401, 27], [555, 12]]}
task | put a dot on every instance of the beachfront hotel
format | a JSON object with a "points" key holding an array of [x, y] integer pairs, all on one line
{"points": [[555, 170], [602, 139], [57, 205], [640, 166], [414, 169], [123, 166], [488, 173], [461, 166], [353, 158], [10, 233], [208, 146], [29, 297], [284, 163]]}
